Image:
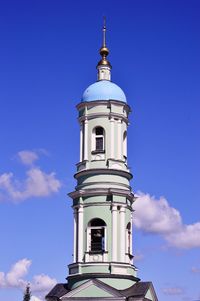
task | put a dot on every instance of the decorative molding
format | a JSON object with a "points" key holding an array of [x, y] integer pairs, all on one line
{"points": [[103, 102], [80, 186], [103, 204], [105, 263], [102, 191], [79, 277], [109, 115], [109, 171]]}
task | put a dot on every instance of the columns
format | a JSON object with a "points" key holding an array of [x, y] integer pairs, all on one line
{"points": [[112, 137], [80, 233], [122, 234], [119, 142], [86, 139], [114, 233], [75, 235], [81, 142]]}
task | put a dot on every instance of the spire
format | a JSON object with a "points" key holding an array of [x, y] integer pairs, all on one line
{"points": [[104, 65], [104, 31]]}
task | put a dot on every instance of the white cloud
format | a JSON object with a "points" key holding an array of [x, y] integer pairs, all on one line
{"points": [[42, 283], [186, 238], [34, 298], [173, 291], [15, 278], [155, 216], [18, 271], [2, 279], [138, 256], [195, 270], [158, 217], [27, 157], [37, 184]]}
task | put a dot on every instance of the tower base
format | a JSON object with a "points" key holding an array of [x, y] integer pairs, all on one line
{"points": [[97, 289]]}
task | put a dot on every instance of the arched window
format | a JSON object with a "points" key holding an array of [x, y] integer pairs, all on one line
{"points": [[96, 236], [128, 238], [125, 144], [99, 139]]}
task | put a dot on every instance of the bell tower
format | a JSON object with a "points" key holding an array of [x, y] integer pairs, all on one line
{"points": [[103, 261], [102, 200]]}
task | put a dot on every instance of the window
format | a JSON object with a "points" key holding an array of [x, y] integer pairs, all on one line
{"points": [[99, 139], [125, 144], [97, 234], [128, 237]]}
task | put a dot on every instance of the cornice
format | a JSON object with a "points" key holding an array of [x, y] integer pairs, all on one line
{"points": [[101, 275], [100, 171], [103, 102], [101, 191], [80, 186], [103, 204]]}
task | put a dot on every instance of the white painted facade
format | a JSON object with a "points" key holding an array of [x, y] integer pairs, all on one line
{"points": [[102, 200]]}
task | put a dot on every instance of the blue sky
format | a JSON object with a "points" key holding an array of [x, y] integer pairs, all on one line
{"points": [[49, 50]]}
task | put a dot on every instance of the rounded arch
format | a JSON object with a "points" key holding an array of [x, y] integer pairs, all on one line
{"points": [[98, 129], [128, 227], [95, 222], [125, 144]]}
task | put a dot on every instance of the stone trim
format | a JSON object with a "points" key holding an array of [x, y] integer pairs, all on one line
{"points": [[98, 171], [103, 102], [102, 191], [109, 115], [80, 277], [103, 183]]}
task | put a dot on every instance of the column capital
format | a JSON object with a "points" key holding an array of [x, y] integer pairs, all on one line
{"points": [[80, 209], [114, 208], [122, 209]]}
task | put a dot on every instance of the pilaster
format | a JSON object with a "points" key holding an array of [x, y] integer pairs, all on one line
{"points": [[86, 139], [114, 233], [75, 235], [80, 233], [122, 234]]}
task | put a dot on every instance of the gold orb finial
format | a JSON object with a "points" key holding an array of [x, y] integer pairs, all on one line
{"points": [[104, 51]]}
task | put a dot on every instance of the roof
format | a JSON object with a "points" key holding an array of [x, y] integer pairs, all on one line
{"points": [[58, 291], [136, 292], [139, 290], [103, 90]]}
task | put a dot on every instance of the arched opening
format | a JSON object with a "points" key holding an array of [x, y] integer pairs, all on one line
{"points": [[125, 144], [98, 143], [97, 236], [128, 238]]}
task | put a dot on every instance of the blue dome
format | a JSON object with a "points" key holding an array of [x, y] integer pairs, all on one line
{"points": [[103, 90]]}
